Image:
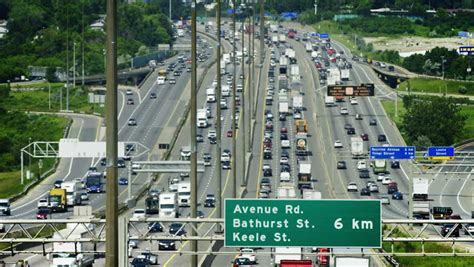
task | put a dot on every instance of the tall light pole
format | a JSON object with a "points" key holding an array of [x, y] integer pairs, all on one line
{"points": [[194, 244], [170, 10], [262, 35], [315, 7], [82, 46], [218, 121], [244, 133], [74, 65], [111, 205], [234, 145], [442, 65]]}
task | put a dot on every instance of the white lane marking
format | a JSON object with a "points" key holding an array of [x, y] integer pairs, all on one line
{"points": [[123, 105], [459, 193]]}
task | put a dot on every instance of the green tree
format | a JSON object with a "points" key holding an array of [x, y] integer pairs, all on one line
{"points": [[437, 118]]}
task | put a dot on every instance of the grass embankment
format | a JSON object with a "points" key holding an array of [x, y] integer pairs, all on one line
{"points": [[38, 99], [401, 247], [52, 128], [437, 86], [389, 107]]}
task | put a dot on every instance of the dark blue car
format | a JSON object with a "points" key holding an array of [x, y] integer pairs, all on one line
{"points": [[123, 181], [397, 195]]}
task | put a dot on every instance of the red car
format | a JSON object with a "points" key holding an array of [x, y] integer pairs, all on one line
{"points": [[365, 137], [283, 130], [43, 213], [229, 133]]}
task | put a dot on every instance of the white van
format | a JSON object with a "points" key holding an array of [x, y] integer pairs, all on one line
{"points": [[161, 80], [225, 90]]}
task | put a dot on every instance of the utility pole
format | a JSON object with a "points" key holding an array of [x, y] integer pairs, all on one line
{"points": [[193, 245], [315, 7], [262, 35], [67, 55], [218, 120], [442, 65], [254, 91], [233, 128], [82, 46], [244, 133], [74, 65], [170, 10], [250, 58], [111, 141]]}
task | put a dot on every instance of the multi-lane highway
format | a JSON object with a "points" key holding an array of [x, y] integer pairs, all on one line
{"points": [[158, 109]]}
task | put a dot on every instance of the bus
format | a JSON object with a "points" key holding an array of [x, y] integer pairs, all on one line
{"points": [[380, 166], [94, 182]]}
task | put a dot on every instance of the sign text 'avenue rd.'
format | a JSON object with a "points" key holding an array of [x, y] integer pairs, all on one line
{"points": [[302, 223], [392, 152]]}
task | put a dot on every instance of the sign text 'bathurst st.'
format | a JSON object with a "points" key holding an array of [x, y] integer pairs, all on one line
{"points": [[351, 90], [302, 223]]}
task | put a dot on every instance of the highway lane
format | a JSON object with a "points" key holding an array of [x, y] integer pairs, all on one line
{"points": [[205, 180]]}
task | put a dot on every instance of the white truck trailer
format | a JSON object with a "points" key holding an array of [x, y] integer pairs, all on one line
{"points": [[329, 101], [357, 147], [168, 205], [184, 194], [311, 194], [73, 192], [283, 108], [287, 253], [70, 253], [420, 189], [297, 103], [211, 95], [201, 118], [286, 191], [345, 74]]}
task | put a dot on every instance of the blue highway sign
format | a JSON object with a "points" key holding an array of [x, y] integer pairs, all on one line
{"points": [[315, 34], [440, 153], [392, 152], [324, 35]]}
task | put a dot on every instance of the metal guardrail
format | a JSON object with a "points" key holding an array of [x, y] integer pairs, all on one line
{"points": [[395, 231]]}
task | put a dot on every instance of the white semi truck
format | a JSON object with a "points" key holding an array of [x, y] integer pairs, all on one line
{"points": [[168, 205], [345, 74], [73, 192]]}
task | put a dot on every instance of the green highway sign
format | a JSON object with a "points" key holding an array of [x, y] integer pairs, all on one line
{"points": [[303, 223]]}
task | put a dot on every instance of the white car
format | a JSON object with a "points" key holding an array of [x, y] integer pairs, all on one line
{"points": [[249, 253], [361, 165], [373, 188], [139, 213], [284, 160], [173, 187], [129, 92], [338, 144], [352, 187], [386, 180], [344, 111], [133, 244], [380, 177], [285, 143], [354, 101], [285, 177], [136, 166], [212, 134], [225, 157], [223, 104], [385, 201], [43, 203], [84, 196]]}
